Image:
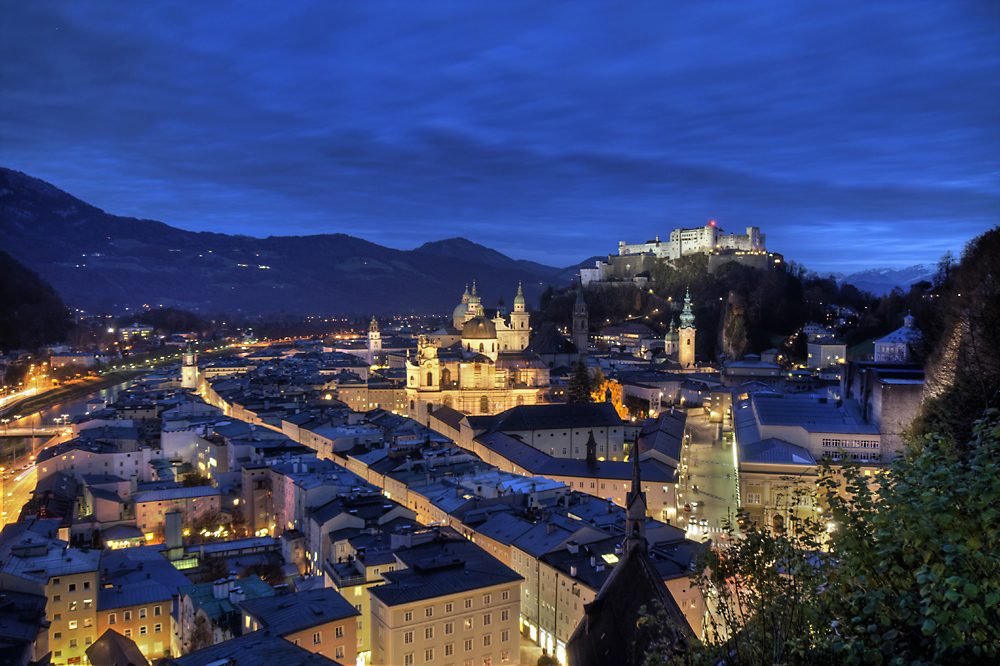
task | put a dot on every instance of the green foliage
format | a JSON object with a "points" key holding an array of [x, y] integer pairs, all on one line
{"points": [[918, 576], [963, 372], [910, 574], [547, 660], [581, 385]]}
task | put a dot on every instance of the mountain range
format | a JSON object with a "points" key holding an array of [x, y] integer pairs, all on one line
{"points": [[879, 281], [105, 263]]}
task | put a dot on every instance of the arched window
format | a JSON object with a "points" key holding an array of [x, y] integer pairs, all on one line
{"points": [[689, 342], [446, 377], [430, 379], [482, 348], [447, 401], [484, 405], [778, 522], [468, 346], [413, 405]]}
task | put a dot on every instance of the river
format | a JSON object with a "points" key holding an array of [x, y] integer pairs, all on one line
{"points": [[12, 447]]}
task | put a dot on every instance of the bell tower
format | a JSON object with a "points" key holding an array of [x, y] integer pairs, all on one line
{"points": [[580, 333], [519, 322], [685, 355], [189, 368], [374, 342]]}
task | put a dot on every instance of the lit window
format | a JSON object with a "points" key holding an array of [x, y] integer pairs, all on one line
{"points": [[317, 637]]}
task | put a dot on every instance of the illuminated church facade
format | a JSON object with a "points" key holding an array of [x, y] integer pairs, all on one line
{"points": [[478, 367]]}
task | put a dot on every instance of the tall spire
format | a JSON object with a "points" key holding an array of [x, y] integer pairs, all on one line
{"points": [[519, 299], [635, 508], [687, 317]]}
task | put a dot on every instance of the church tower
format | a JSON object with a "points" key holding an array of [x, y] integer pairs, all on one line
{"points": [[671, 341], [580, 327], [374, 342], [685, 355], [519, 322], [189, 368], [635, 508]]}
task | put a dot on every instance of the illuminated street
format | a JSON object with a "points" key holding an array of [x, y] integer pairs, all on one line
{"points": [[709, 483]]}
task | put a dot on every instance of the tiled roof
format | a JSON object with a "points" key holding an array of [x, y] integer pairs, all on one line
{"points": [[259, 648], [299, 611]]}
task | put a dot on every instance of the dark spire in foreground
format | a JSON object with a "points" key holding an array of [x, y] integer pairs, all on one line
{"points": [[635, 508]]}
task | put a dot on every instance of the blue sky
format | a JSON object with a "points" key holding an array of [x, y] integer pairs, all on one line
{"points": [[855, 134]]}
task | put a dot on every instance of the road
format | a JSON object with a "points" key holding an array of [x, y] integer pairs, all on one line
{"points": [[708, 484], [16, 488]]}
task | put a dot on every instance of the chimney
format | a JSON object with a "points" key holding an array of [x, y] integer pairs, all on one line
{"points": [[574, 547], [572, 570], [593, 560]]}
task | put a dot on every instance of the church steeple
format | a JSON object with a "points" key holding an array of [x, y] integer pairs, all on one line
{"points": [[581, 334], [635, 508], [591, 450], [687, 317]]}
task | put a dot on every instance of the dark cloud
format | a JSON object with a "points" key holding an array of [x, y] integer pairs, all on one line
{"points": [[855, 134]]}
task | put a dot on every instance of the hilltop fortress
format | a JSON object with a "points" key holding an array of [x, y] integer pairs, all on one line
{"points": [[633, 262]]}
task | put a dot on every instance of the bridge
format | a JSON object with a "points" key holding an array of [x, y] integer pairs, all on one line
{"points": [[37, 431]]}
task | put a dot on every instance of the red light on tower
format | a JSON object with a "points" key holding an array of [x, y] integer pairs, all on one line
{"points": [[711, 223]]}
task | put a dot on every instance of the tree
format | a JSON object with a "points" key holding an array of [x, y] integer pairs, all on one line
{"points": [[918, 574], [908, 576], [580, 385]]}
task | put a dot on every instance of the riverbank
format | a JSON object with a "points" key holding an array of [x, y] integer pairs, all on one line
{"points": [[69, 391]]}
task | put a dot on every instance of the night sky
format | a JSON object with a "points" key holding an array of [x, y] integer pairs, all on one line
{"points": [[855, 134]]}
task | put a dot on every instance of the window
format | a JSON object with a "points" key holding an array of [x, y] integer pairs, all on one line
{"points": [[339, 652], [87, 640], [504, 615], [57, 616], [58, 635], [487, 640], [72, 642], [504, 656], [112, 618], [429, 611], [487, 598], [157, 628], [317, 637], [487, 661], [88, 622], [128, 633], [156, 610], [338, 632], [449, 649], [504, 636], [72, 606], [408, 637], [468, 645], [86, 585], [468, 602], [429, 654], [72, 587], [449, 628], [505, 595], [127, 616], [87, 604], [487, 619], [408, 616], [468, 623], [448, 607], [753, 498], [142, 630], [408, 659], [56, 581], [56, 597], [428, 633]]}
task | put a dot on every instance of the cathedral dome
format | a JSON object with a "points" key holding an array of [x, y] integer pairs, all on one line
{"points": [[479, 328], [460, 310]]}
